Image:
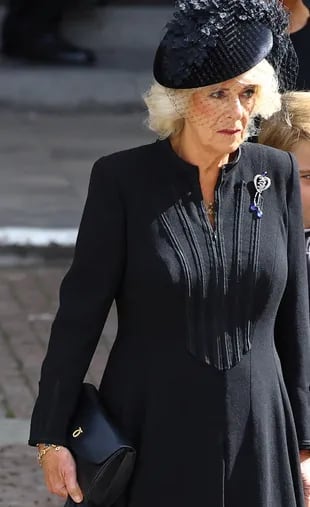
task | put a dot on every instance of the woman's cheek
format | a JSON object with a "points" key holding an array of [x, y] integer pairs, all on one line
{"points": [[305, 197]]}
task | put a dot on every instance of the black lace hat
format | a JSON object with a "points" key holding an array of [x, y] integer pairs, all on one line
{"points": [[209, 41]]}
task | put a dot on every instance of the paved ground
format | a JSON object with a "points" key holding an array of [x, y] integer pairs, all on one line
{"points": [[46, 160], [28, 300]]}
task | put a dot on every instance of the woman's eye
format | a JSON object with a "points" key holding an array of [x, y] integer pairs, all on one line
{"points": [[218, 95], [249, 93], [305, 176]]}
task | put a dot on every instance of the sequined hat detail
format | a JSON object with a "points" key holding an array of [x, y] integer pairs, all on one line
{"points": [[210, 41]]}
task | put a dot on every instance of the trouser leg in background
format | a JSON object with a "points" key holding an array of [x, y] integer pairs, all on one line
{"points": [[31, 31], [38, 14]]}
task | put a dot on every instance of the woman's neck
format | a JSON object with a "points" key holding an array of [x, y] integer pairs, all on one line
{"points": [[299, 14], [192, 151]]}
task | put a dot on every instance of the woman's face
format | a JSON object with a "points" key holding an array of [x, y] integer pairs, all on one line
{"points": [[220, 114], [302, 152]]}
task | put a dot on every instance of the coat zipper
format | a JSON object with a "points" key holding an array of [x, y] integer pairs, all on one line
{"points": [[213, 231], [223, 349]]}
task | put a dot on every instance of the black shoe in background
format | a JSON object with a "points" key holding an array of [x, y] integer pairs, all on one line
{"points": [[45, 48]]}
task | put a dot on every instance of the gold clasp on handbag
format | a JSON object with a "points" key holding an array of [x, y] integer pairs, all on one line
{"points": [[77, 432]]}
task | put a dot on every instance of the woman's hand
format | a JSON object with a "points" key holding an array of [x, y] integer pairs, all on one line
{"points": [[60, 474], [305, 474]]}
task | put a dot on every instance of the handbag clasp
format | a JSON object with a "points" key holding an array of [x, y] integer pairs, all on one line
{"points": [[77, 432]]}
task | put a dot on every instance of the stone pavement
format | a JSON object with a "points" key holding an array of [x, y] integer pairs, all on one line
{"points": [[46, 161], [28, 301]]}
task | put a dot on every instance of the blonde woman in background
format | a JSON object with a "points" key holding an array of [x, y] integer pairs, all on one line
{"points": [[289, 130]]}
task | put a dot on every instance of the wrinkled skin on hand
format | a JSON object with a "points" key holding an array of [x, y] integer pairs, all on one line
{"points": [[60, 474], [305, 473]]}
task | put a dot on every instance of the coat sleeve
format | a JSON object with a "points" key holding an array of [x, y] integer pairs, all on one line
{"points": [[292, 323], [86, 295]]}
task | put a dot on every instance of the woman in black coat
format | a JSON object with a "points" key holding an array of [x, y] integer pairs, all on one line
{"points": [[289, 130], [300, 36], [199, 239]]}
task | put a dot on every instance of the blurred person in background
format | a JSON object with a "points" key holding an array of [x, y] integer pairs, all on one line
{"points": [[31, 32], [289, 130], [300, 36]]}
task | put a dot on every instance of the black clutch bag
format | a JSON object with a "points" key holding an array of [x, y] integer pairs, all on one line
{"points": [[104, 458]]}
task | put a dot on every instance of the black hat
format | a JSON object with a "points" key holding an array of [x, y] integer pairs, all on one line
{"points": [[210, 41]]}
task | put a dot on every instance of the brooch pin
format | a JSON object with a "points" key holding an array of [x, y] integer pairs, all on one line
{"points": [[261, 183]]}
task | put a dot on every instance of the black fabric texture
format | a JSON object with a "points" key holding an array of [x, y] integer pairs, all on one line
{"points": [[307, 239], [36, 16], [208, 431], [301, 42]]}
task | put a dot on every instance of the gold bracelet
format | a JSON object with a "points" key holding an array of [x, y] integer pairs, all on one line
{"points": [[46, 447]]}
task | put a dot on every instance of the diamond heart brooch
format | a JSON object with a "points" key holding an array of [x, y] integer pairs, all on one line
{"points": [[261, 183]]}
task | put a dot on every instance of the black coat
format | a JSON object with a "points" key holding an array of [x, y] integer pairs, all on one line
{"points": [[301, 41], [209, 373], [307, 238]]}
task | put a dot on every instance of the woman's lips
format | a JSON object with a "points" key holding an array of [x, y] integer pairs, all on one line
{"points": [[229, 132]]}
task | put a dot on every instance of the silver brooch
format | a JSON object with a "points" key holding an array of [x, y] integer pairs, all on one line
{"points": [[261, 183]]}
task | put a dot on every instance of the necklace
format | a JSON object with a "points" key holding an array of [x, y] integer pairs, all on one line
{"points": [[210, 208]]}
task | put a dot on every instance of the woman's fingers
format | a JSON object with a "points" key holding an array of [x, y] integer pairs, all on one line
{"points": [[59, 490], [60, 474], [55, 483], [305, 474], [307, 495], [71, 483]]}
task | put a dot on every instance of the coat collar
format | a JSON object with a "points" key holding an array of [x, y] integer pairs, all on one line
{"points": [[180, 165]]}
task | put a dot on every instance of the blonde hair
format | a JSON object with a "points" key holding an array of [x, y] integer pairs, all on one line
{"points": [[166, 119], [290, 125]]}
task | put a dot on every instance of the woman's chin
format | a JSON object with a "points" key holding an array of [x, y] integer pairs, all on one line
{"points": [[231, 146]]}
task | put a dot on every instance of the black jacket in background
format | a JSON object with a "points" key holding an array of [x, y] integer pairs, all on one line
{"points": [[301, 42], [307, 236]]}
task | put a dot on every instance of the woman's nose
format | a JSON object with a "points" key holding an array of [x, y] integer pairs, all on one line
{"points": [[236, 109]]}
